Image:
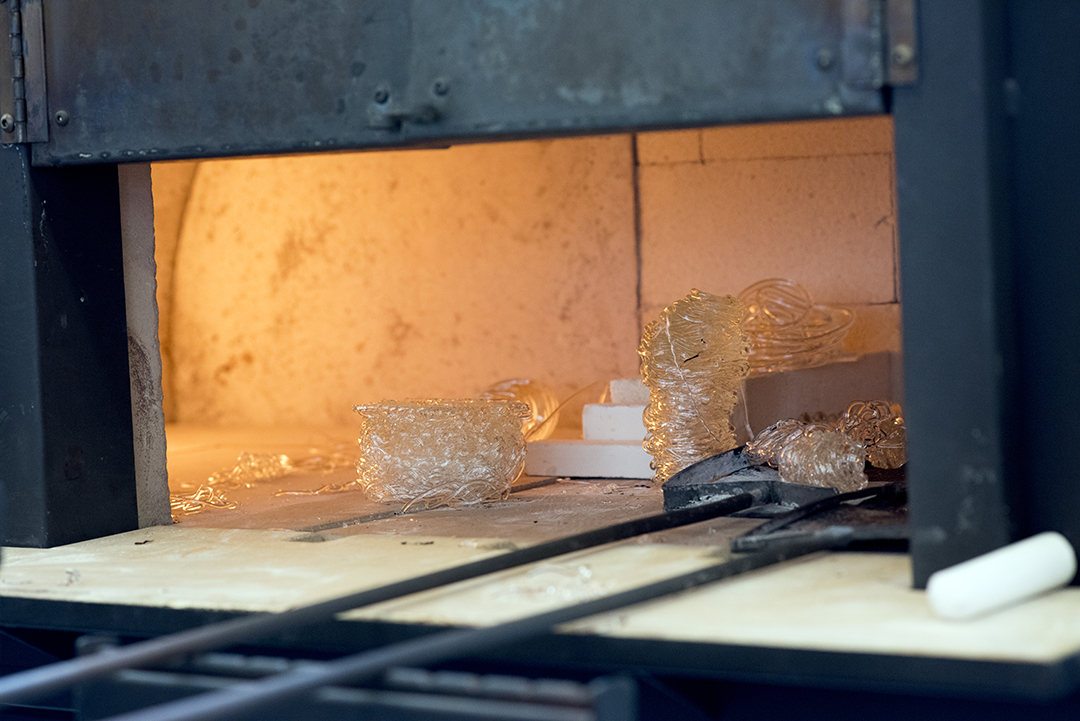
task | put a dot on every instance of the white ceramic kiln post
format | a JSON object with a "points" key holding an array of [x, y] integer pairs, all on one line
{"points": [[1003, 577]]}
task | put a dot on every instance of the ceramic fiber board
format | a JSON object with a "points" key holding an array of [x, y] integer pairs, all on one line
{"points": [[611, 422], [588, 459]]}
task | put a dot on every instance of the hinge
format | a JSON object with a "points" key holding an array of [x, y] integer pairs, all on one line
{"points": [[879, 43], [861, 51], [23, 111], [903, 49]]}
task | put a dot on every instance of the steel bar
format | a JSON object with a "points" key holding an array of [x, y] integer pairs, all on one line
{"points": [[38, 681], [836, 537], [252, 696], [810, 509]]}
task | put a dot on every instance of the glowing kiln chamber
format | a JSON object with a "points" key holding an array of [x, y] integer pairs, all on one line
{"points": [[296, 287], [291, 288], [987, 223]]}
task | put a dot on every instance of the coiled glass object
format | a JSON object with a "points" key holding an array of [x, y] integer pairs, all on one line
{"points": [[880, 428], [787, 331], [765, 447], [692, 359], [874, 431], [820, 456], [441, 452], [542, 401]]}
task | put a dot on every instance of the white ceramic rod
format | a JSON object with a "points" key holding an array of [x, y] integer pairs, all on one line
{"points": [[1003, 577]]}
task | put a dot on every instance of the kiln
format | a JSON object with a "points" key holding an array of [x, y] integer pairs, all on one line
{"points": [[986, 181]]}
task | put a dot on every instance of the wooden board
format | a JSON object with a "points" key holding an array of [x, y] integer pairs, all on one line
{"points": [[848, 602], [258, 558]]}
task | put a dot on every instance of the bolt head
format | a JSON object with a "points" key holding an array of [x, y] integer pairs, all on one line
{"points": [[381, 96], [62, 118], [902, 55], [7, 122]]}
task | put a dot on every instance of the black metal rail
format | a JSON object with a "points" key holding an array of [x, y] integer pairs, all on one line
{"points": [[39, 681], [253, 696]]}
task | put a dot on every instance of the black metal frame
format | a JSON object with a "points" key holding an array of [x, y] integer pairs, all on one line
{"points": [[988, 172], [988, 176], [66, 452], [208, 79]]}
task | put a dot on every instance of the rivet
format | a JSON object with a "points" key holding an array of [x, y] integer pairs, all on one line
{"points": [[381, 96], [902, 54], [62, 118], [441, 86], [825, 58], [7, 122]]}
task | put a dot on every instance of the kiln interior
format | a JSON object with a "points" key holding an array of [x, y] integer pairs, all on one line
{"points": [[292, 288]]}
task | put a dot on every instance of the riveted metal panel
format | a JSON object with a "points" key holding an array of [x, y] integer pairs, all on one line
{"points": [[37, 121], [232, 77], [9, 52]]}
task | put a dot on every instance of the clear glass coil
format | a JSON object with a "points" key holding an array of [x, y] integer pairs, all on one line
{"points": [[820, 456], [542, 401], [692, 359], [441, 452], [787, 331]]}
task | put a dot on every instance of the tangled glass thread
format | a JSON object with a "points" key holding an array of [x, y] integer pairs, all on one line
{"points": [[875, 428], [880, 429], [542, 401], [820, 456], [787, 331], [692, 359], [253, 468], [441, 452], [203, 497], [765, 447]]}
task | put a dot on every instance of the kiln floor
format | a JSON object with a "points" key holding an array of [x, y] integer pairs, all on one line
{"points": [[256, 559], [564, 507]]}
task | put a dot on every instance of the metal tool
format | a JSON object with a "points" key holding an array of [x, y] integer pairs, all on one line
{"points": [[38, 681], [730, 473], [249, 697], [831, 538], [694, 485]]}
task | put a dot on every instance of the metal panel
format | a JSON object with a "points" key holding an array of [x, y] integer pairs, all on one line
{"points": [[951, 175], [11, 73], [903, 44], [66, 453], [7, 95], [863, 61], [37, 120], [1044, 115], [230, 77], [988, 175]]}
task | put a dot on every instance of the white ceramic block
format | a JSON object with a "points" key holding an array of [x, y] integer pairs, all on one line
{"points": [[1003, 577], [588, 459], [610, 422], [629, 392]]}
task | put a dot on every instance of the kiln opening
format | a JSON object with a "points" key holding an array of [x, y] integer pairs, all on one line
{"points": [[292, 288]]}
